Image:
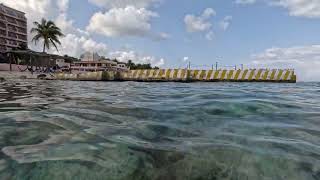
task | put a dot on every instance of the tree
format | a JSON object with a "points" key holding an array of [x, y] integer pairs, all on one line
{"points": [[22, 59], [48, 32], [23, 46], [134, 66]]}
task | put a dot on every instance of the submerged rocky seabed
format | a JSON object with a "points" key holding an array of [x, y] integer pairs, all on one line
{"points": [[127, 130]]}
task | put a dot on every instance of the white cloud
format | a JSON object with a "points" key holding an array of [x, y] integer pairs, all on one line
{"points": [[67, 27], [304, 8], [64, 24], [185, 59], [123, 3], [129, 21], [124, 56], [63, 5], [305, 59], [225, 23], [207, 13], [202, 23], [199, 23], [160, 36], [74, 45], [300, 8], [245, 1], [210, 35]]}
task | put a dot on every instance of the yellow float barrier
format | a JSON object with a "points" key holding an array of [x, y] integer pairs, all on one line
{"points": [[184, 75]]}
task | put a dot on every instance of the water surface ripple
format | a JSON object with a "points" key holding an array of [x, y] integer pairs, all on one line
{"points": [[128, 130]]}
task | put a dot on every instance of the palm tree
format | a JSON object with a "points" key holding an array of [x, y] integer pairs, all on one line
{"points": [[48, 32]]}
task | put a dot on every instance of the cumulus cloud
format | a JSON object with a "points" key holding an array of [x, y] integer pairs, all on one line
{"points": [[245, 1], [199, 23], [67, 26], [63, 5], [301, 8], [128, 21], [304, 8], [74, 45], [203, 23], [210, 35], [124, 56], [123, 3], [305, 59], [225, 23]]}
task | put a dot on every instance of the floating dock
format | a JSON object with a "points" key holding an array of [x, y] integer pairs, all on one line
{"points": [[184, 75]]}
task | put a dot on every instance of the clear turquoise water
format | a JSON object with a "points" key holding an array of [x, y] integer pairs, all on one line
{"points": [[55, 130]]}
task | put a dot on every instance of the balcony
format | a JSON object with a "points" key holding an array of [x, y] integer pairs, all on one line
{"points": [[2, 17], [21, 17], [15, 15], [3, 25], [12, 43], [21, 23], [22, 30], [3, 48], [11, 20], [3, 32], [22, 37], [11, 13], [3, 41], [12, 35], [12, 28]]}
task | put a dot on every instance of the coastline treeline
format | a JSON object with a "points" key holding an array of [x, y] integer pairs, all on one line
{"points": [[134, 66]]}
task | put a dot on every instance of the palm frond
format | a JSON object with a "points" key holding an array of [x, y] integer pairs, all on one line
{"points": [[35, 30], [36, 38], [54, 44], [56, 40], [36, 23]]}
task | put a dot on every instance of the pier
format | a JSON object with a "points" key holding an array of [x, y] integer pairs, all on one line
{"points": [[184, 75]]}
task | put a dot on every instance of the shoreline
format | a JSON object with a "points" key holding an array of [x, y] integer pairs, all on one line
{"points": [[7, 75]]}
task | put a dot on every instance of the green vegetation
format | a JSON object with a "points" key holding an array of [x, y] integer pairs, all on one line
{"points": [[22, 47], [134, 66], [48, 32]]}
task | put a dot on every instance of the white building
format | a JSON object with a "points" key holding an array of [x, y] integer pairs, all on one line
{"points": [[90, 56], [62, 63], [122, 66], [94, 62]]}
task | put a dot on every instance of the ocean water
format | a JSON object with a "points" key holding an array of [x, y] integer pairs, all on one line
{"points": [[63, 130]]}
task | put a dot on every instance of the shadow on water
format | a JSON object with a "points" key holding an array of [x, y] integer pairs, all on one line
{"points": [[141, 131]]}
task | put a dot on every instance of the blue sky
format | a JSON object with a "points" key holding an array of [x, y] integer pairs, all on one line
{"points": [[169, 33]]}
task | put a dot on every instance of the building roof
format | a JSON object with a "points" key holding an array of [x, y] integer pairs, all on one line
{"points": [[97, 62], [1, 4], [41, 54]]}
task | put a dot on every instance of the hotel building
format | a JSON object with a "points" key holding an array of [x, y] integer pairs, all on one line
{"points": [[13, 28]]}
